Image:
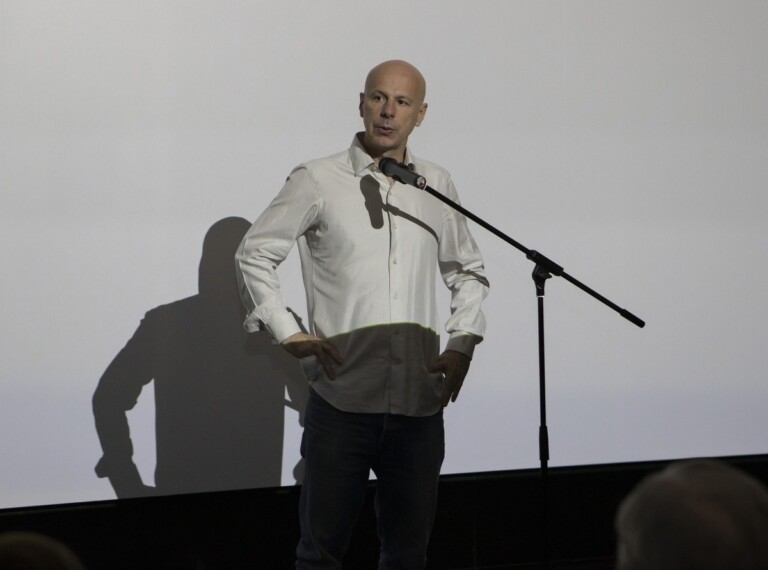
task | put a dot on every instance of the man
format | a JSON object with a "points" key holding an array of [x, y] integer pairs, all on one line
{"points": [[694, 514], [369, 248]]}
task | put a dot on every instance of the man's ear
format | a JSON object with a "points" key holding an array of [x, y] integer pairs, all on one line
{"points": [[362, 100], [422, 114]]}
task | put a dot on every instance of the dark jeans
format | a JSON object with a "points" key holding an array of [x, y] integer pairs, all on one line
{"points": [[340, 449]]}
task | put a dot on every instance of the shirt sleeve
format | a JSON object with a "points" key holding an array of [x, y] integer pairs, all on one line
{"points": [[462, 269], [264, 247]]}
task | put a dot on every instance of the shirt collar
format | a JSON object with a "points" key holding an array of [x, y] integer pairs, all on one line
{"points": [[362, 161]]}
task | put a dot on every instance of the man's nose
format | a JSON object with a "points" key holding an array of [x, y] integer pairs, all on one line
{"points": [[388, 109]]}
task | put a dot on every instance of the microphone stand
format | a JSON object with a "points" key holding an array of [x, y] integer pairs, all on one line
{"points": [[543, 270]]}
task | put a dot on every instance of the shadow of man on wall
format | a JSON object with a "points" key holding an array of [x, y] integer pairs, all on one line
{"points": [[219, 391]]}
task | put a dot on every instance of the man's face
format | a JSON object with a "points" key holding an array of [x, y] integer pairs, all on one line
{"points": [[391, 107]]}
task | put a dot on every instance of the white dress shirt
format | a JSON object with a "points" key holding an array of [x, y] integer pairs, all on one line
{"points": [[369, 251]]}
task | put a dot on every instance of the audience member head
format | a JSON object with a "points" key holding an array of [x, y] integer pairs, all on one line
{"points": [[694, 515], [31, 551]]}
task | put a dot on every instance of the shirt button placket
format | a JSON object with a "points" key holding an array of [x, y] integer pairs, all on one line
{"points": [[393, 248]]}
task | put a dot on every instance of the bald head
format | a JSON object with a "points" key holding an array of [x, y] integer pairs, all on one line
{"points": [[403, 69]]}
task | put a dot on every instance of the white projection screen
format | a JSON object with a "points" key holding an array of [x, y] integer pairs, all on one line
{"points": [[628, 141]]}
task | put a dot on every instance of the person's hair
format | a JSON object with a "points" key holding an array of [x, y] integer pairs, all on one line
{"points": [[699, 514], [32, 551]]}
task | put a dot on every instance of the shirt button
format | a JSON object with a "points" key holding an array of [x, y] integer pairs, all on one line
{"points": [[395, 296], [394, 261]]}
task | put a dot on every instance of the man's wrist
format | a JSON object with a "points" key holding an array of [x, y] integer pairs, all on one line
{"points": [[463, 343]]}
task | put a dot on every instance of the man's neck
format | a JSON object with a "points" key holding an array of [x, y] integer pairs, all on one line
{"points": [[377, 155]]}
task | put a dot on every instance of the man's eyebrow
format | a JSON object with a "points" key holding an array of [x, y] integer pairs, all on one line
{"points": [[395, 96]]}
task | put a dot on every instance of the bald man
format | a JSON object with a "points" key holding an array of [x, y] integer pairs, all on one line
{"points": [[370, 248]]}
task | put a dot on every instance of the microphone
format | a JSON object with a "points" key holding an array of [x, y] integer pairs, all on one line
{"points": [[400, 172]]}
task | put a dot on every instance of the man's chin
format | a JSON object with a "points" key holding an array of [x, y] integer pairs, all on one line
{"points": [[378, 146]]}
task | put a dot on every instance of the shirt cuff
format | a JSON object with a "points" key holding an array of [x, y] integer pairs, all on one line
{"points": [[283, 325], [463, 342]]}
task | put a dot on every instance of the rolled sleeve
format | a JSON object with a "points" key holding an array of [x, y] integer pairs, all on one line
{"points": [[463, 271], [265, 246]]}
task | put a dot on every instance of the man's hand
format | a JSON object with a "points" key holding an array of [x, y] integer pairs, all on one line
{"points": [[302, 344], [454, 366]]}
